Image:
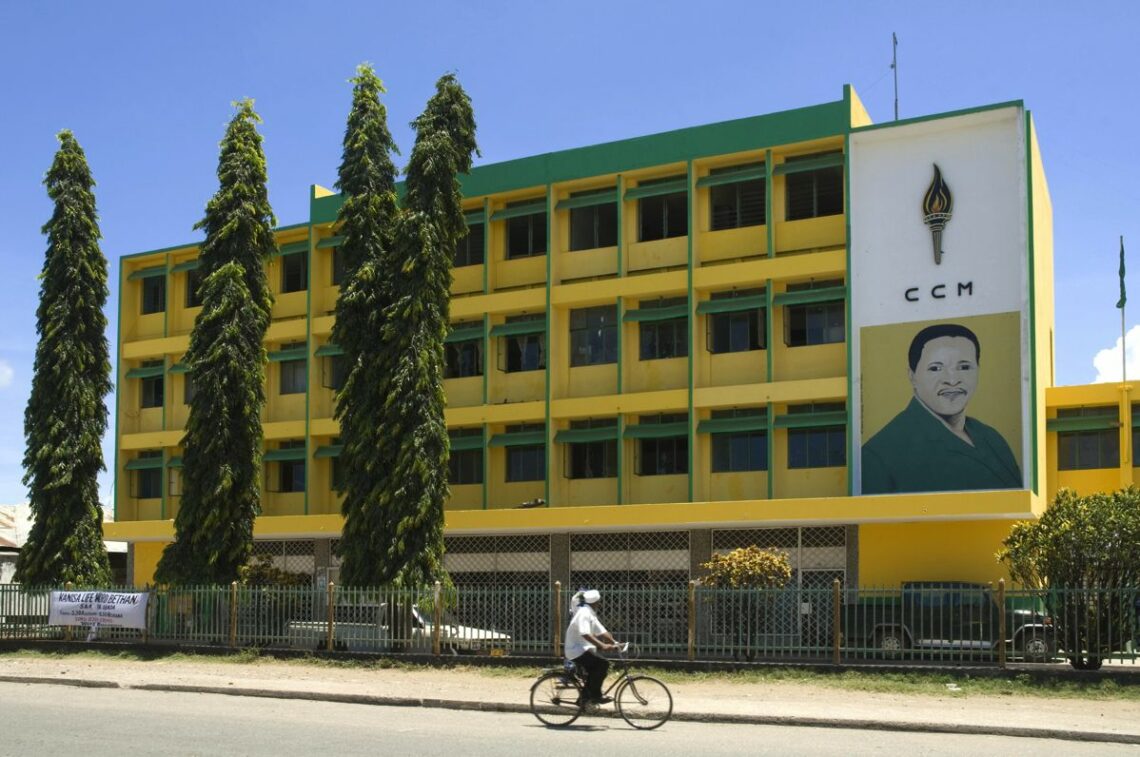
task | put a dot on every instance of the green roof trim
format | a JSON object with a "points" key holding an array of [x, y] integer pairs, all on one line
{"points": [[657, 189], [293, 248], [582, 435], [146, 371], [174, 462], [144, 463], [189, 265], [475, 217], [518, 439], [809, 164], [733, 425], [732, 304], [461, 443], [657, 430], [329, 350], [807, 296], [328, 242], [517, 211], [812, 420], [588, 199], [147, 273], [1085, 423], [644, 315], [288, 454], [178, 368], [515, 328], [298, 353], [744, 173], [328, 450], [468, 333]]}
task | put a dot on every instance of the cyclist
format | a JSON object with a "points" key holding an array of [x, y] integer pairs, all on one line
{"points": [[585, 637]]}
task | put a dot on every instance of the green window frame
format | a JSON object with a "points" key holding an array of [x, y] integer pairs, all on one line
{"points": [[735, 330], [593, 336], [662, 216], [661, 455], [663, 339], [463, 357], [808, 324], [465, 464], [737, 204], [739, 440], [526, 233], [597, 458], [594, 226], [294, 372], [1089, 449]]}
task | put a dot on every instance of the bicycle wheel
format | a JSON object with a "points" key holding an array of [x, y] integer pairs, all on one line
{"points": [[644, 702], [554, 699]]}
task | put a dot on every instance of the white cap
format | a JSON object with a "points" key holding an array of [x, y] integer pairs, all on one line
{"points": [[591, 596]]}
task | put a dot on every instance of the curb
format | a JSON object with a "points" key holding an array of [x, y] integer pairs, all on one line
{"points": [[691, 717]]}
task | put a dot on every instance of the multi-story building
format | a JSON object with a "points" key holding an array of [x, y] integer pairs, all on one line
{"points": [[675, 344]]}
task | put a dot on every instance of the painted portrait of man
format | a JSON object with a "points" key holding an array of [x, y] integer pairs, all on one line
{"points": [[933, 444]]}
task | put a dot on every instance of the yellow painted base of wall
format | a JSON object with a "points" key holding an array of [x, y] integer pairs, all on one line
{"points": [[891, 553], [147, 555]]}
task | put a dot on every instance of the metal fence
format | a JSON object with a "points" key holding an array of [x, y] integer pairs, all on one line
{"points": [[926, 623]]}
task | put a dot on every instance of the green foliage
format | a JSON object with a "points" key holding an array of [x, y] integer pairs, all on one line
{"points": [[222, 445], [748, 567], [66, 416], [1084, 550], [392, 317], [260, 571]]}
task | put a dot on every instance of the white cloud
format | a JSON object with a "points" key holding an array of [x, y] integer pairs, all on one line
{"points": [[6, 374], [1107, 362]]}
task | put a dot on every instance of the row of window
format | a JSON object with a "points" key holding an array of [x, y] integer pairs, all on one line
{"points": [[294, 278], [1091, 448]]}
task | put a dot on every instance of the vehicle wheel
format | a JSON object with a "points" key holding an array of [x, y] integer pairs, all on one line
{"points": [[554, 699], [1086, 663], [890, 642], [1035, 648], [644, 702]]}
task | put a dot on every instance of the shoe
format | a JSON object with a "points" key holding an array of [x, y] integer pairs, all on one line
{"points": [[602, 700]]}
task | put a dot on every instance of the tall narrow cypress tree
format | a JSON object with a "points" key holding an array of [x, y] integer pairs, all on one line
{"points": [[414, 327], [222, 445], [368, 180], [66, 416]]}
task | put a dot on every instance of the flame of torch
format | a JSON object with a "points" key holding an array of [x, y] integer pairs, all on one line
{"points": [[937, 207]]}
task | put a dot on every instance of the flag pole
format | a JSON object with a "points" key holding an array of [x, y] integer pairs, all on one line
{"points": [[1126, 409]]}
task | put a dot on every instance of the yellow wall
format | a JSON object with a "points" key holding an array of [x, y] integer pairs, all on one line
{"points": [[891, 553]]}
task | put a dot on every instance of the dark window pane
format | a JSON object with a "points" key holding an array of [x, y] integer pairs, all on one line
{"points": [[465, 467], [469, 251], [294, 378], [291, 475], [526, 236], [526, 463], [337, 267], [153, 294], [149, 483], [737, 205], [593, 336], [193, 284], [294, 272], [152, 390], [463, 359], [593, 460], [812, 194]]}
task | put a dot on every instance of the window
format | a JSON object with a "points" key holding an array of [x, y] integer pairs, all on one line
{"points": [[336, 480], [335, 372], [593, 335], [526, 462], [151, 387], [189, 389], [193, 285], [739, 451], [597, 459], [153, 294], [663, 216], [815, 322], [294, 272], [465, 358], [738, 331], [148, 481], [291, 473], [817, 447], [662, 339], [469, 251], [526, 235], [593, 226], [738, 204], [337, 267], [814, 193], [1095, 448], [465, 466], [294, 372], [663, 456], [525, 352]]}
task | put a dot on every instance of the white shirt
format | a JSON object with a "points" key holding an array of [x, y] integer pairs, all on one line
{"points": [[583, 622]]}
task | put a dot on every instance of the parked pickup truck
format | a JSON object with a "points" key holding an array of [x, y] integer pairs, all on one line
{"points": [[366, 628], [950, 615]]}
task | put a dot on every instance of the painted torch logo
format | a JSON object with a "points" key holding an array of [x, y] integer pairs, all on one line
{"points": [[937, 207]]}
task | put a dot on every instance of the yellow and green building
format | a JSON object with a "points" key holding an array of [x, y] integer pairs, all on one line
{"points": [[650, 359]]}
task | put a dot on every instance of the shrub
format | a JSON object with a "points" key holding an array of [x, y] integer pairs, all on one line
{"points": [[748, 567]]}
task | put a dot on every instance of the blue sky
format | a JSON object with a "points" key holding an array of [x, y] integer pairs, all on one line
{"points": [[147, 87]]}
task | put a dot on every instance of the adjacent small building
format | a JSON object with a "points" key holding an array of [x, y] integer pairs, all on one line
{"points": [[681, 343]]}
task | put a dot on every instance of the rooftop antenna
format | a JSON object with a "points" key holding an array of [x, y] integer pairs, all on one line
{"points": [[895, 68]]}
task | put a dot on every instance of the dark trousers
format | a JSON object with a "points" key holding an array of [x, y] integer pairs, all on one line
{"points": [[596, 669]]}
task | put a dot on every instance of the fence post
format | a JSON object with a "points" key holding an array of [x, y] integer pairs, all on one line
{"points": [[692, 620], [233, 614], [329, 621], [67, 629], [557, 618], [150, 612], [437, 619], [1001, 623], [836, 621]]}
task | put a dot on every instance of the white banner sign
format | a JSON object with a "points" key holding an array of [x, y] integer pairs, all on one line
{"points": [[98, 608]]}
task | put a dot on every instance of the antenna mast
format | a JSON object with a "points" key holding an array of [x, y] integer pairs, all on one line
{"points": [[895, 68]]}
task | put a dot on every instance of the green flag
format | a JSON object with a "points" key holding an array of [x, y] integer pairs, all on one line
{"points": [[1123, 297]]}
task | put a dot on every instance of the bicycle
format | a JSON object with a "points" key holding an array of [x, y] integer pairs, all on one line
{"points": [[558, 697]]}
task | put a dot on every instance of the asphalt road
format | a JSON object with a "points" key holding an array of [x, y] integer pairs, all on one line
{"points": [[50, 720]]}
